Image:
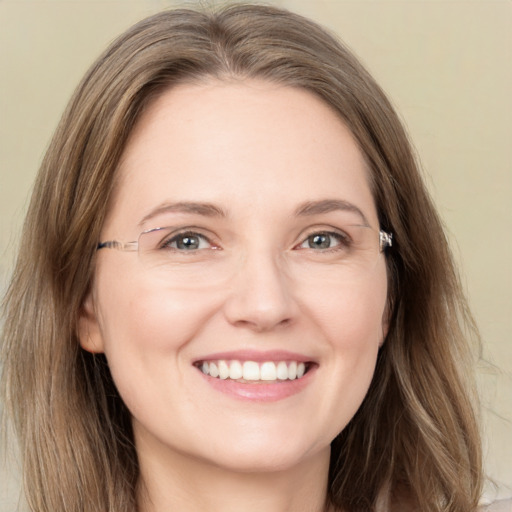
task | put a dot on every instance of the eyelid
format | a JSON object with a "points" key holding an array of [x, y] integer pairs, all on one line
{"points": [[173, 241], [327, 229], [191, 230], [343, 237]]}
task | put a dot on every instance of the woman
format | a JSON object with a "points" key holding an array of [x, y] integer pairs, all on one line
{"points": [[233, 291]]}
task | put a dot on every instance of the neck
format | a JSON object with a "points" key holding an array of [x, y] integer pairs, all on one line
{"points": [[179, 482]]}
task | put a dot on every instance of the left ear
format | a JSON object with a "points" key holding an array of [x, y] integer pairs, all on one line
{"points": [[89, 333]]}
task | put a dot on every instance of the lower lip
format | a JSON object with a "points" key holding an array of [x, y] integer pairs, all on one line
{"points": [[260, 391]]}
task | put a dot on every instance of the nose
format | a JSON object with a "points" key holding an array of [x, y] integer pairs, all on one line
{"points": [[260, 295]]}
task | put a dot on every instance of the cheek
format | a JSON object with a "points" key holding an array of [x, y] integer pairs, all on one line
{"points": [[146, 326], [355, 340], [350, 320], [146, 332], [140, 313], [355, 332], [352, 316]]}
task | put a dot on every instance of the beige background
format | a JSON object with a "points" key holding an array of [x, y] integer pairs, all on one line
{"points": [[445, 64]]}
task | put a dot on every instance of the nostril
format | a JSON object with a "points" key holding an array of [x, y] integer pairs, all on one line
{"points": [[262, 324]]}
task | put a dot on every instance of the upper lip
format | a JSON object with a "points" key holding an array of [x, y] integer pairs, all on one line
{"points": [[257, 356]]}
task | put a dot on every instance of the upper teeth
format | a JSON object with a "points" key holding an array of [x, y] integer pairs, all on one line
{"points": [[251, 370]]}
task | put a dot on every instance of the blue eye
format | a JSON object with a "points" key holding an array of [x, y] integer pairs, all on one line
{"points": [[188, 241], [323, 241]]}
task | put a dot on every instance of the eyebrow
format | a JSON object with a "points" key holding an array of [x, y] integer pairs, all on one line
{"points": [[205, 209], [308, 208], [327, 206]]}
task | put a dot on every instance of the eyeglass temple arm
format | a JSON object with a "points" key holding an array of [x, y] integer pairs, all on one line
{"points": [[114, 244], [385, 240]]}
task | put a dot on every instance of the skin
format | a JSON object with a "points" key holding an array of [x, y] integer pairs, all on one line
{"points": [[257, 151]]}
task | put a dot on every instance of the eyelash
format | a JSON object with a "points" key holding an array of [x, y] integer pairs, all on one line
{"points": [[166, 244], [342, 239]]}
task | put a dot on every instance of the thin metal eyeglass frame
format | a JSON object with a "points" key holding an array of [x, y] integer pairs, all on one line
{"points": [[385, 241]]}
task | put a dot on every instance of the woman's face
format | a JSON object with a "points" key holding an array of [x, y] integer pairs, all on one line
{"points": [[270, 269]]}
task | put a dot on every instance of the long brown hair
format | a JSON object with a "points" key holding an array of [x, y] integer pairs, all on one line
{"points": [[415, 435]]}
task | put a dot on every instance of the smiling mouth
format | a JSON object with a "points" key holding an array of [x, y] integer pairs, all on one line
{"points": [[252, 371]]}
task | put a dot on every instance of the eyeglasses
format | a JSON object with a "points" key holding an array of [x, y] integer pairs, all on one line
{"points": [[195, 254]]}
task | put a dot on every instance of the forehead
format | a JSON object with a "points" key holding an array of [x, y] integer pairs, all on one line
{"points": [[238, 144]]}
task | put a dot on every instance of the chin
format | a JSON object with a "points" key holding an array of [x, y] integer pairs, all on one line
{"points": [[265, 461], [265, 452]]}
